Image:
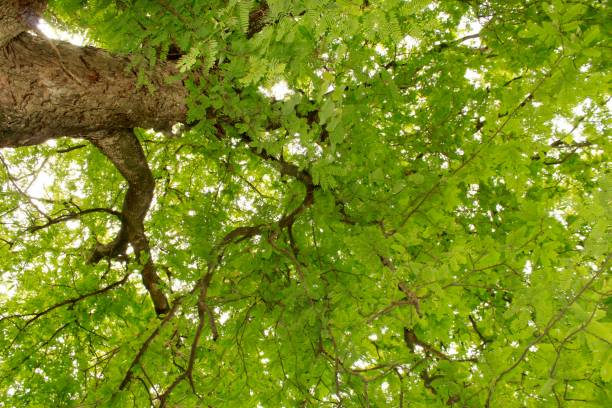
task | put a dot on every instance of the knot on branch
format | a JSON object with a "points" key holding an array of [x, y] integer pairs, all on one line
{"points": [[114, 249]]}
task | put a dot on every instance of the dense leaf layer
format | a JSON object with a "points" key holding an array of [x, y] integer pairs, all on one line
{"points": [[377, 203]]}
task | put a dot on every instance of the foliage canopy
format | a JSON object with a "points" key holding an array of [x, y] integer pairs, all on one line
{"points": [[372, 203]]}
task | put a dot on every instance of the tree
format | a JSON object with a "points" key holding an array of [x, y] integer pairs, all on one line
{"points": [[323, 203]]}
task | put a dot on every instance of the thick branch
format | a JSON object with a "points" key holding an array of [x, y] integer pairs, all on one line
{"points": [[40, 101], [99, 99], [123, 149]]}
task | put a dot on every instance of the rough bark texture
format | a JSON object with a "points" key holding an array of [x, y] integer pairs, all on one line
{"points": [[76, 91], [124, 151], [51, 89], [17, 16]]}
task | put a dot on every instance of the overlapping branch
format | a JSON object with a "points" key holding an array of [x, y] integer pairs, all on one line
{"points": [[239, 234], [145, 345], [603, 268]]}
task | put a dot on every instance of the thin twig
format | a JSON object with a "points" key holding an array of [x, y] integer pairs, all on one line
{"points": [[546, 329]]}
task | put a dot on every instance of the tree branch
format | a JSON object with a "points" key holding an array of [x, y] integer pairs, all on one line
{"points": [[551, 323], [17, 16], [107, 96], [37, 315], [143, 349], [74, 215], [123, 149]]}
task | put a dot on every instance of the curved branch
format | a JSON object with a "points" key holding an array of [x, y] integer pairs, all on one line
{"points": [[123, 149], [73, 216]]}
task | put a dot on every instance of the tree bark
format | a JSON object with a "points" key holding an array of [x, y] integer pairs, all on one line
{"points": [[77, 91], [124, 151], [17, 16], [51, 89]]}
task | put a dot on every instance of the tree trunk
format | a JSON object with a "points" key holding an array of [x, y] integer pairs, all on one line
{"points": [[17, 16], [51, 89], [54, 89]]}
